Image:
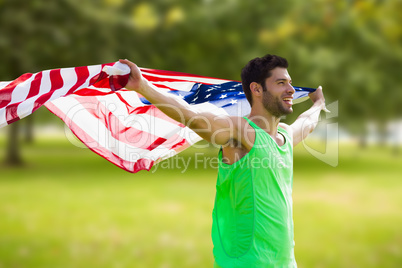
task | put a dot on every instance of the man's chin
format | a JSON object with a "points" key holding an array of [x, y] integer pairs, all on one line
{"points": [[287, 111]]}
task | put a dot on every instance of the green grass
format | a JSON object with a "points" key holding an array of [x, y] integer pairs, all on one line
{"points": [[67, 207], [349, 216]]}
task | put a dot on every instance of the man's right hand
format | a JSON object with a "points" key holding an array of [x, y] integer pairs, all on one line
{"points": [[136, 81], [318, 98]]}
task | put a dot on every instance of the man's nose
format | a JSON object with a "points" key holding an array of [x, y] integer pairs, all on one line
{"points": [[291, 89]]}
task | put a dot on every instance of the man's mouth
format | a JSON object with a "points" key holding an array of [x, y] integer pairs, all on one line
{"points": [[288, 100]]}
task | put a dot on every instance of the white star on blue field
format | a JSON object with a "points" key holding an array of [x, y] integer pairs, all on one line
{"points": [[222, 95]]}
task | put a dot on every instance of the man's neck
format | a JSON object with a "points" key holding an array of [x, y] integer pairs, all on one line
{"points": [[265, 120]]}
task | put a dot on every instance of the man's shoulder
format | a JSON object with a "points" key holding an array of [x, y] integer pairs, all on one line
{"points": [[238, 121], [242, 136], [286, 127]]}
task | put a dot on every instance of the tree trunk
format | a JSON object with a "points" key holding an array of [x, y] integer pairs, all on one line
{"points": [[13, 155], [29, 132]]}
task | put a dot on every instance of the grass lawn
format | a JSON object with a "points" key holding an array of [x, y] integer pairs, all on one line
{"points": [[67, 207]]}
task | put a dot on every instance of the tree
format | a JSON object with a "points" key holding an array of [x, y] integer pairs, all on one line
{"points": [[38, 35], [351, 47]]}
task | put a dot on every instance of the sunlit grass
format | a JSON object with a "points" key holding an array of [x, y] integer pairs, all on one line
{"points": [[67, 207]]}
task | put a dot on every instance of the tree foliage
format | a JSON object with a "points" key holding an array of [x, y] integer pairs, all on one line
{"points": [[352, 48]]}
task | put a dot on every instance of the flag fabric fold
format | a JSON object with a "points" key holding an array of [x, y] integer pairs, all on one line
{"points": [[117, 124], [24, 95]]}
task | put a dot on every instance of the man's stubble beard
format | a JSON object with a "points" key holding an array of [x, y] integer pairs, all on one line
{"points": [[274, 105]]}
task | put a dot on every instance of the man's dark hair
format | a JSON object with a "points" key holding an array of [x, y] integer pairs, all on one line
{"points": [[258, 70]]}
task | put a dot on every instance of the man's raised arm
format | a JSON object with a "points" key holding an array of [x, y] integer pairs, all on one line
{"points": [[216, 129], [307, 121]]}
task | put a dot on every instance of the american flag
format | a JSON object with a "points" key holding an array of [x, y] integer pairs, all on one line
{"points": [[121, 125]]}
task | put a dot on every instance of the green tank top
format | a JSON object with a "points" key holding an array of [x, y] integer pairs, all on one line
{"points": [[252, 216]]}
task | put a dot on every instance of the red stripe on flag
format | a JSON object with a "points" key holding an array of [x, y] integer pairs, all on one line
{"points": [[173, 73], [156, 143], [7, 91], [35, 85], [124, 101], [11, 113], [93, 145], [179, 75], [180, 144], [141, 110], [164, 79], [117, 82], [131, 166], [127, 134], [92, 92], [82, 76], [56, 81], [102, 83], [151, 109], [101, 76]]}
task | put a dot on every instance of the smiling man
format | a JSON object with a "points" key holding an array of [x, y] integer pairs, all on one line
{"points": [[252, 216]]}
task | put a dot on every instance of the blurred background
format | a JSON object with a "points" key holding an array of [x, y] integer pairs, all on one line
{"points": [[63, 206]]}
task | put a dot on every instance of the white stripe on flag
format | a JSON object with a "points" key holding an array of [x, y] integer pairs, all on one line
{"points": [[26, 107], [4, 84], [187, 78], [183, 86], [3, 118], [77, 113], [20, 92]]}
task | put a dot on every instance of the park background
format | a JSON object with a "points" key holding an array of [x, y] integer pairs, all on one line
{"points": [[63, 206]]}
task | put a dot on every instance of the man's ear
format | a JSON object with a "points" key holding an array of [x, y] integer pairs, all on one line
{"points": [[256, 89]]}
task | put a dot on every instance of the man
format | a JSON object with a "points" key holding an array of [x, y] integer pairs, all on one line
{"points": [[252, 217]]}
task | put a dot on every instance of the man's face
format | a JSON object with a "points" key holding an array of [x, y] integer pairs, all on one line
{"points": [[278, 94]]}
